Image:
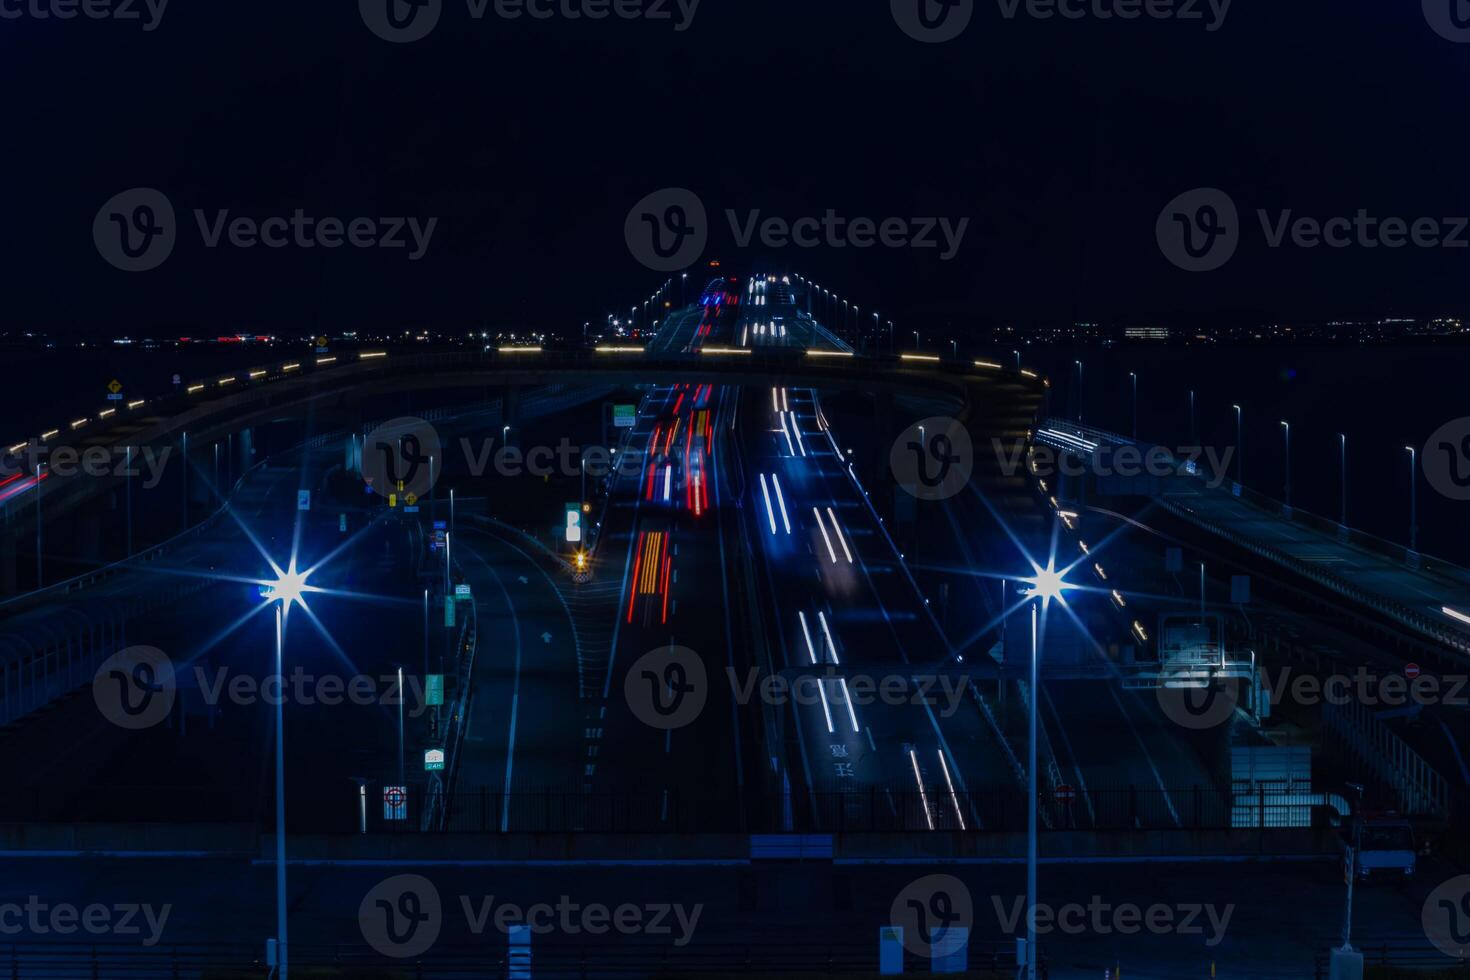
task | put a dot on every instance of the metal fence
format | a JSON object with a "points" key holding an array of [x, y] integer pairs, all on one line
{"points": [[549, 961]]}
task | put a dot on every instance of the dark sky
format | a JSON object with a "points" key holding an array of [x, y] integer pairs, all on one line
{"points": [[1061, 141]]}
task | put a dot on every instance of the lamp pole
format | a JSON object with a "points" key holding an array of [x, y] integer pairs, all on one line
{"points": [[1286, 428], [1079, 390], [1239, 449], [280, 811], [1032, 803], [1342, 466], [1133, 376], [1413, 498]]}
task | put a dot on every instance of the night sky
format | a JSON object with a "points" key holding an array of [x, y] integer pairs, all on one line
{"points": [[1060, 140]]}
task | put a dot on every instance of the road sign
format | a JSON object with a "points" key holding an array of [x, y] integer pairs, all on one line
{"points": [[395, 803], [1065, 794], [441, 525], [434, 689], [392, 500], [1411, 671], [303, 500], [433, 760], [342, 523], [114, 391], [462, 591], [448, 610], [625, 416], [574, 523]]}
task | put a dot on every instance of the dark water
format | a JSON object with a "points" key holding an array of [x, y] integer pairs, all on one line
{"points": [[1382, 398]]}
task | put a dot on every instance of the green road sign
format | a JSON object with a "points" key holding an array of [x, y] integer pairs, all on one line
{"points": [[433, 760], [434, 690], [625, 416]]}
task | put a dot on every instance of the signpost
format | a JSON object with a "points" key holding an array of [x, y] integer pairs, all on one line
{"points": [[433, 760], [625, 416], [114, 391], [462, 591]]}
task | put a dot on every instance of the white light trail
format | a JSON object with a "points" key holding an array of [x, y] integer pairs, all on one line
{"points": [[781, 499], [822, 618], [923, 797], [790, 446], [952, 797], [1455, 614], [668, 482], [811, 651], [852, 714], [826, 709], [770, 515], [837, 529], [822, 525]]}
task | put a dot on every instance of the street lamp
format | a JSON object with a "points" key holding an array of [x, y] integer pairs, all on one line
{"points": [[1047, 584], [1018, 360], [1413, 498], [280, 808], [1079, 390], [1239, 449], [1342, 467], [1133, 376], [1286, 429]]}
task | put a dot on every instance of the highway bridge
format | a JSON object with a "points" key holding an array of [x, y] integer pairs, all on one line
{"points": [[764, 643]]}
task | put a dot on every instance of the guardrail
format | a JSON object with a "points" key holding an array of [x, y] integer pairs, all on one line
{"points": [[679, 809]]}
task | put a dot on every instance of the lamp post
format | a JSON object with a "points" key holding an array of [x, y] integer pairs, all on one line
{"points": [[281, 968], [1413, 498], [1286, 429], [1032, 804], [1018, 360], [1342, 468], [1079, 390], [1045, 586], [1239, 449], [1133, 377]]}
